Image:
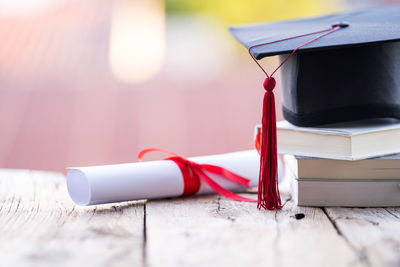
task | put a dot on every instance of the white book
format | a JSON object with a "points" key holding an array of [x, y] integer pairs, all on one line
{"points": [[346, 193], [345, 141], [365, 183], [385, 167]]}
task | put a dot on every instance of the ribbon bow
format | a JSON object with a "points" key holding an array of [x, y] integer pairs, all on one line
{"points": [[193, 172]]}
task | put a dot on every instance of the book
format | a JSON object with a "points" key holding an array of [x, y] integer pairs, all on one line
{"points": [[384, 167], [346, 192], [325, 182], [346, 141]]}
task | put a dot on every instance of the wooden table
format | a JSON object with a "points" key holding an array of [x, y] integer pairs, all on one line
{"points": [[40, 226]]}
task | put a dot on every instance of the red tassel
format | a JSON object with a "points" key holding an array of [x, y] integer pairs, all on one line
{"points": [[268, 192]]}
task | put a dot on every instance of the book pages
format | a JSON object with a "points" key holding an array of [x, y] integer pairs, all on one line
{"points": [[346, 129]]}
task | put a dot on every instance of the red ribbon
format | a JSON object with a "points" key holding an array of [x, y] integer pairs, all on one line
{"points": [[257, 141], [193, 172]]}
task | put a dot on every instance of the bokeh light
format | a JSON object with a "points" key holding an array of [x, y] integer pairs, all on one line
{"points": [[94, 81]]}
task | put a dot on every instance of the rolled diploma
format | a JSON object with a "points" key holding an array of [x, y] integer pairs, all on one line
{"points": [[153, 179]]}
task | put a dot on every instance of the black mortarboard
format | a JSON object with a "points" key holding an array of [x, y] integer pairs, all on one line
{"points": [[334, 68], [350, 74]]}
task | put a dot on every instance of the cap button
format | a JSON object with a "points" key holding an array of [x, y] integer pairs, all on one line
{"points": [[341, 24], [269, 84]]}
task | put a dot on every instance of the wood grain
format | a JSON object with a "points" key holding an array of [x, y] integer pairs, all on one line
{"points": [[373, 233], [40, 226], [210, 231]]}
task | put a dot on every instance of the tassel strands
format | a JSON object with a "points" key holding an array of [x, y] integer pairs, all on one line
{"points": [[268, 192]]}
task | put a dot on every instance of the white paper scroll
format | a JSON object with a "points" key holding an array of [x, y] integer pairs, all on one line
{"points": [[152, 179]]}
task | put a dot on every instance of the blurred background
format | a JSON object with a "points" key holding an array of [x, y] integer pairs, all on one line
{"points": [[94, 81]]}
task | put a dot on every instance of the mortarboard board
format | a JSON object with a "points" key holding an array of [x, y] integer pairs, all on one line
{"points": [[334, 68]]}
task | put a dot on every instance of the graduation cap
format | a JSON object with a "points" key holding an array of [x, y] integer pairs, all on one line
{"points": [[334, 68]]}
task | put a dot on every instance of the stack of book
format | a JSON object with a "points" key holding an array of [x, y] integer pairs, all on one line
{"points": [[355, 164]]}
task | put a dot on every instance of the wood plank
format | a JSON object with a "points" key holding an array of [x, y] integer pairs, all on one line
{"points": [[374, 233], [214, 231], [40, 226]]}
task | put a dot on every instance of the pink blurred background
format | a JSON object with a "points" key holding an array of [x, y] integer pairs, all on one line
{"points": [[93, 82]]}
